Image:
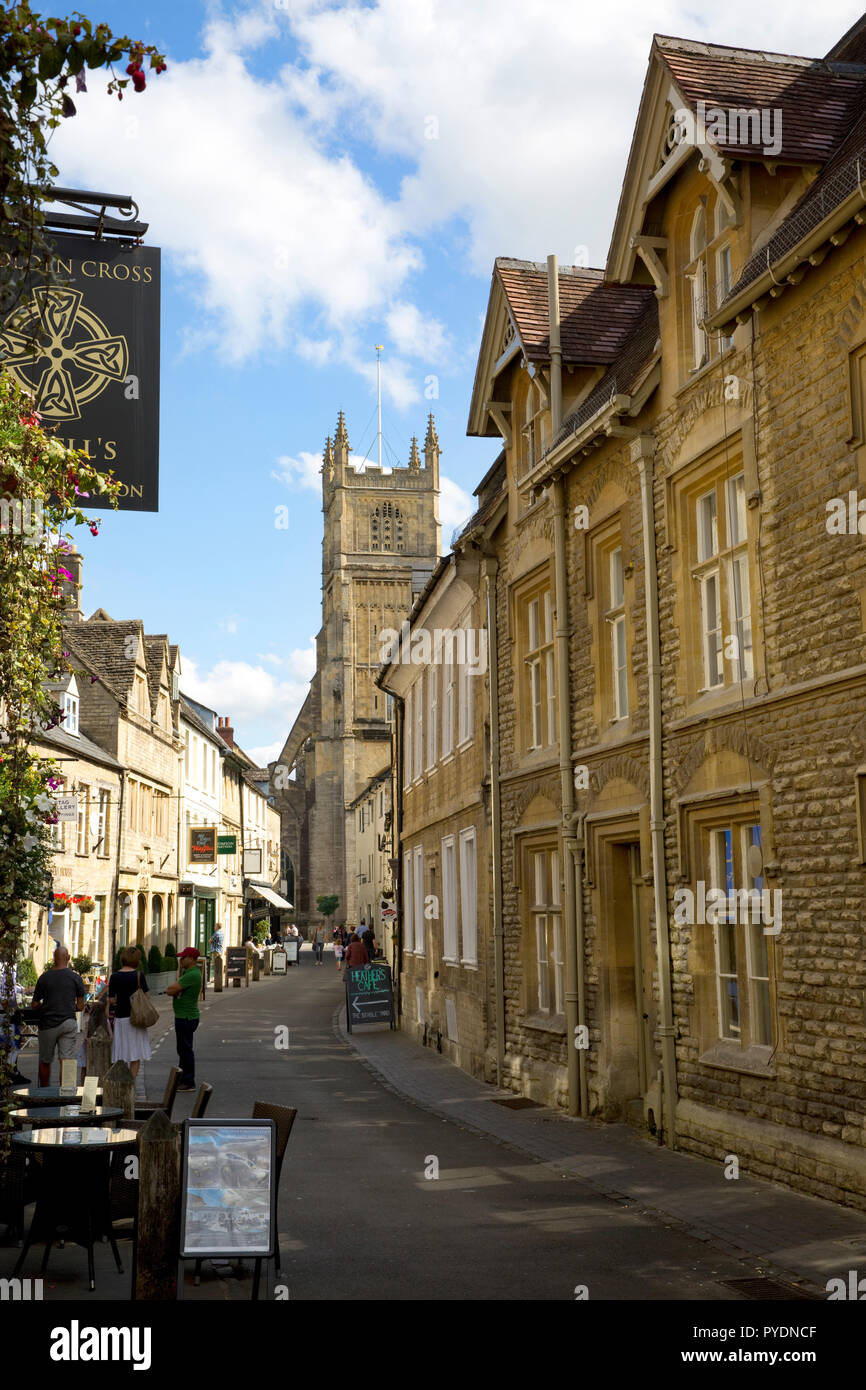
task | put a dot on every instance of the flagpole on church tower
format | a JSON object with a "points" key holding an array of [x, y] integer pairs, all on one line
{"points": [[380, 348]]}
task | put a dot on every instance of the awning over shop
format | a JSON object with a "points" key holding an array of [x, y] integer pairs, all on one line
{"points": [[261, 890]]}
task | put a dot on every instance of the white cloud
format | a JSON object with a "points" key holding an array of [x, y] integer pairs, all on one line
{"points": [[455, 507], [415, 334], [268, 753], [304, 470], [286, 241], [250, 694]]}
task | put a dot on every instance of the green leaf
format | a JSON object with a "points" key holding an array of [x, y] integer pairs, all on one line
{"points": [[74, 60], [51, 61]]}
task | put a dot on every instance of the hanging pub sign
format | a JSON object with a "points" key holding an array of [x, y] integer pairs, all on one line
{"points": [[86, 343], [202, 845]]}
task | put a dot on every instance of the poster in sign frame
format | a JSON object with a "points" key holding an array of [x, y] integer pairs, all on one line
{"points": [[228, 1189]]}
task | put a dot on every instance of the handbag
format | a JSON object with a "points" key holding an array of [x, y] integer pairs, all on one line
{"points": [[142, 1013]]}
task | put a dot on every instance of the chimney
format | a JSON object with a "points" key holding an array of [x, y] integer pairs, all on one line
{"points": [[71, 590], [225, 731]]}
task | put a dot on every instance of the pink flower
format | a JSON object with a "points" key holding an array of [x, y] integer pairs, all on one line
{"points": [[66, 575]]}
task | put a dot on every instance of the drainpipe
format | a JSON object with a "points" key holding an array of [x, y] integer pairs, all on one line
{"points": [[555, 346], [576, 1057], [490, 570], [572, 846], [642, 451]]}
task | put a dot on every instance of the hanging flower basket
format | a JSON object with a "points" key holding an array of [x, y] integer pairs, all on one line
{"points": [[61, 902], [84, 903]]}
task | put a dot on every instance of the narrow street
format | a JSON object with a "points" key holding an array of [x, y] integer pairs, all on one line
{"points": [[359, 1219]]}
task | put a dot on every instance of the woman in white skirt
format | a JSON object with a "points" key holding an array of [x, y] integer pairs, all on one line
{"points": [[130, 1044]]}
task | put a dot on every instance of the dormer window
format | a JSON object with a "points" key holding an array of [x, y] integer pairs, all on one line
{"points": [[69, 705]]}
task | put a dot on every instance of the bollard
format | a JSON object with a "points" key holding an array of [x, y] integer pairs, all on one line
{"points": [[218, 974], [118, 1088], [257, 965], [158, 1237], [268, 961], [98, 1042]]}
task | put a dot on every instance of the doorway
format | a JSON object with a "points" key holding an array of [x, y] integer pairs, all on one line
{"points": [[205, 917], [628, 1021]]}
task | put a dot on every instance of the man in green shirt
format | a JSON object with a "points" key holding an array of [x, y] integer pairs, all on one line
{"points": [[185, 995]]}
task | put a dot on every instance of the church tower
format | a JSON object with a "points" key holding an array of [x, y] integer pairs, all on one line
{"points": [[381, 542]]}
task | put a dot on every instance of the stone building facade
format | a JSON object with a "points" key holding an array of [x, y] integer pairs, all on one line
{"points": [[679, 622], [381, 541], [438, 671], [373, 882]]}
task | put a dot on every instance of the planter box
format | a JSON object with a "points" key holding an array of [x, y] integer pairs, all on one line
{"points": [[159, 983]]}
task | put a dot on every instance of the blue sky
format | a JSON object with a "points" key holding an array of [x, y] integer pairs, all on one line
{"points": [[323, 178]]}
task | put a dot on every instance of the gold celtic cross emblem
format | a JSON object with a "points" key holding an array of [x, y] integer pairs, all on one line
{"points": [[62, 352]]}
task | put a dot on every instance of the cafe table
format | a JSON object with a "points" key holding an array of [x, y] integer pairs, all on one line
{"points": [[50, 1095], [74, 1194], [46, 1116]]}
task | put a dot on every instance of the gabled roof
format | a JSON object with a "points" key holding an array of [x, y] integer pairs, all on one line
{"points": [[839, 182], [80, 745], [101, 646], [595, 317], [156, 658], [817, 99], [189, 713], [623, 376], [851, 48]]}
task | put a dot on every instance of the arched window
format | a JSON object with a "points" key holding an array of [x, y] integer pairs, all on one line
{"points": [[698, 276]]}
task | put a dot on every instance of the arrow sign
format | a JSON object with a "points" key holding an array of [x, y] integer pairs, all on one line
{"points": [[369, 996]]}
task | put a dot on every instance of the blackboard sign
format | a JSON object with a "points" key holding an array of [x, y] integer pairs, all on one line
{"points": [[236, 962], [228, 1188], [279, 962], [369, 996], [292, 946]]}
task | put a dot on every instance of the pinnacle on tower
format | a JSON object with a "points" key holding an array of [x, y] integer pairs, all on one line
{"points": [[431, 445], [341, 442], [328, 459], [414, 456]]}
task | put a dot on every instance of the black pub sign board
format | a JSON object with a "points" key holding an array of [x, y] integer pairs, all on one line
{"points": [[236, 962], [369, 995], [86, 343]]}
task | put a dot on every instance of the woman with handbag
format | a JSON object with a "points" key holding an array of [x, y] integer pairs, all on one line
{"points": [[130, 1043]]}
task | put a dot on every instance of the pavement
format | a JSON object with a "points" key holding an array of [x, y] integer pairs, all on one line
{"points": [[405, 1180]]}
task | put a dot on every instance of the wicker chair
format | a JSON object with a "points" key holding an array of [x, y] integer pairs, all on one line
{"points": [[145, 1108], [202, 1101], [284, 1116]]}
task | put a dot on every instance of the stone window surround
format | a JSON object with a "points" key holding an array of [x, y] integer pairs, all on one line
{"points": [[527, 840], [520, 593], [695, 816], [721, 462]]}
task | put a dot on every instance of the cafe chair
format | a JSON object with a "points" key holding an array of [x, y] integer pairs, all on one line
{"points": [[202, 1101], [145, 1108], [284, 1117]]}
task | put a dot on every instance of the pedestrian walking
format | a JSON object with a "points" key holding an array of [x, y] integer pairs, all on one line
{"points": [[319, 943], [129, 1044], [216, 941], [59, 995], [356, 953], [369, 941], [338, 951], [185, 995]]}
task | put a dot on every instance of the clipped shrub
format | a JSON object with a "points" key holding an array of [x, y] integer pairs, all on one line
{"points": [[154, 960], [81, 964], [27, 976], [170, 963], [170, 949]]}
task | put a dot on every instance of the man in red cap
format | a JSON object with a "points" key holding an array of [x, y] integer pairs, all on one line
{"points": [[185, 997]]}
